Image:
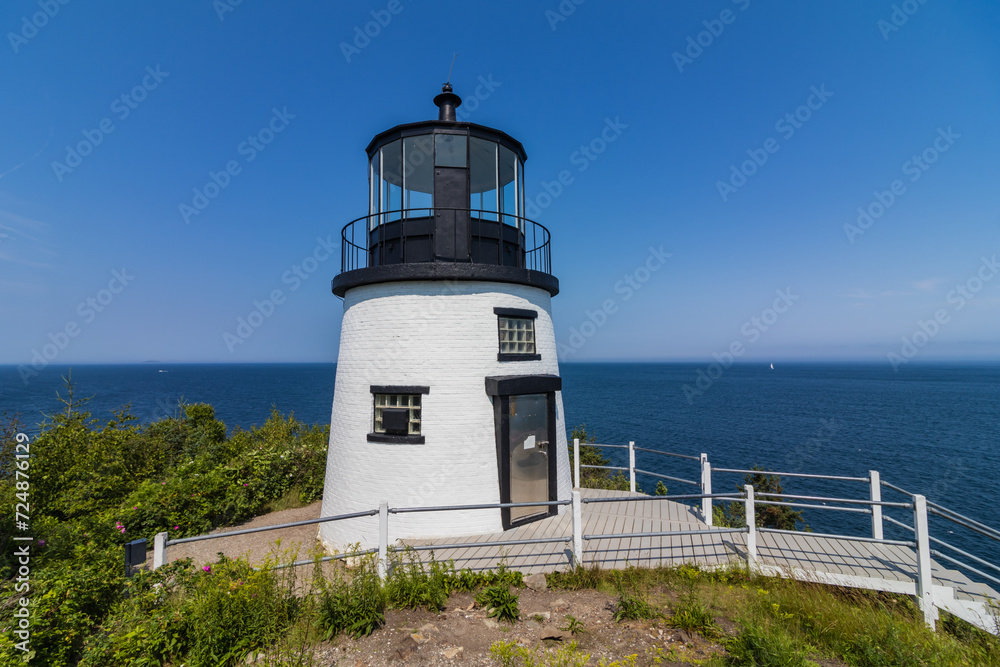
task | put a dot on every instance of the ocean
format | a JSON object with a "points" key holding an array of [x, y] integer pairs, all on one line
{"points": [[931, 429]]}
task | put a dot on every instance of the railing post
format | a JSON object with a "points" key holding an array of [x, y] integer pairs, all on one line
{"points": [[577, 529], [751, 516], [706, 489], [576, 461], [924, 578], [383, 538], [631, 466], [160, 550], [876, 497]]}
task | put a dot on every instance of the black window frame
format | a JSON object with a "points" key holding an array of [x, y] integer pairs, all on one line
{"points": [[387, 439], [521, 313]]}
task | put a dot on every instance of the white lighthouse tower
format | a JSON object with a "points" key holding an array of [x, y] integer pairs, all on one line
{"points": [[448, 389]]}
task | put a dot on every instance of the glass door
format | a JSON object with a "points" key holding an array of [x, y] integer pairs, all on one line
{"points": [[529, 452]]}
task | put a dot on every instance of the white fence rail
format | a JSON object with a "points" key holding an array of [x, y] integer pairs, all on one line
{"points": [[873, 506]]}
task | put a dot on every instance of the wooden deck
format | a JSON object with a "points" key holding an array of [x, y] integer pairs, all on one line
{"points": [[800, 556]]}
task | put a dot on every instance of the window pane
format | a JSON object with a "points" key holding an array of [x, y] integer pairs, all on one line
{"points": [[483, 177], [508, 185], [517, 335], [373, 190], [392, 179], [450, 150], [418, 175], [410, 401]]}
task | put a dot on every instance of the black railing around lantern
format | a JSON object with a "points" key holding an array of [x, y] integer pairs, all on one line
{"points": [[475, 236]]}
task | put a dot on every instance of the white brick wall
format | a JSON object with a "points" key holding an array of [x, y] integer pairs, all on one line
{"points": [[442, 335]]}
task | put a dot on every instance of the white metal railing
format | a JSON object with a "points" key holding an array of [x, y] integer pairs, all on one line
{"points": [[873, 506]]}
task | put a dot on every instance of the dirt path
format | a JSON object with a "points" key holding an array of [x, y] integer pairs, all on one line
{"points": [[255, 546]]}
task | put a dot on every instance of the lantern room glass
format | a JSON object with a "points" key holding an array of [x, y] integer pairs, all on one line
{"points": [[401, 177], [494, 181], [418, 176]]}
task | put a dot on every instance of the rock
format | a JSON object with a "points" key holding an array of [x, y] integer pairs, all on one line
{"points": [[490, 623], [427, 628], [453, 653], [253, 657], [543, 615], [559, 605], [556, 636], [420, 638], [406, 648], [536, 582]]}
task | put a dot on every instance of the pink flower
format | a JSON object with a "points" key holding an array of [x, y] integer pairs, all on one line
{"points": [[207, 568], [120, 527], [176, 527]]}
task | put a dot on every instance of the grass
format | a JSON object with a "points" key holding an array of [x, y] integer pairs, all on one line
{"points": [[784, 623], [184, 614]]}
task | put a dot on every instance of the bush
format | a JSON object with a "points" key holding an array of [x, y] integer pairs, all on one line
{"points": [[411, 585], [71, 597], [353, 603], [595, 478], [632, 607], [733, 514], [204, 617], [499, 603]]}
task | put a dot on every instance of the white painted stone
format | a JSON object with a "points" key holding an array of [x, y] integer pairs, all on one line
{"points": [[441, 334]]}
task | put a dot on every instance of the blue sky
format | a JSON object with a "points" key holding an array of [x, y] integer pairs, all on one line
{"points": [[694, 91]]}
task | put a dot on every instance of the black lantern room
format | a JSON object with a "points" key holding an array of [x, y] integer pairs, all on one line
{"points": [[446, 201]]}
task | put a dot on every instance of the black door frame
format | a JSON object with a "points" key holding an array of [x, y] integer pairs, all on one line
{"points": [[501, 389]]}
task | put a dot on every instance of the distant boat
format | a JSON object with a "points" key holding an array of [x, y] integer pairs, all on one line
{"points": [[162, 371], [772, 367]]}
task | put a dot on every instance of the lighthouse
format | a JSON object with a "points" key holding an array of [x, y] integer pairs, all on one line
{"points": [[447, 389]]}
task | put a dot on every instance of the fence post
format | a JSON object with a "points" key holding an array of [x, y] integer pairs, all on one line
{"points": [[576, 461], [876, 497], [924, 578], [751, 515], [577, 529], [631, 466], [383, 538], [160, 550], [706, 489]]}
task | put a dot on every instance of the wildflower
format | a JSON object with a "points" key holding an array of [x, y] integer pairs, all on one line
{"points": [[207, 568], [41, 543], [177, 527], [120, 527]]}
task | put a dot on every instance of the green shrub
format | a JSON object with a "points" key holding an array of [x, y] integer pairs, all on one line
{"points": [[71, 597], [632, 607], [692, 615], [411, 584], [499, 603], [758, 646], [467, 580], [203, 617], [352, 603]]}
